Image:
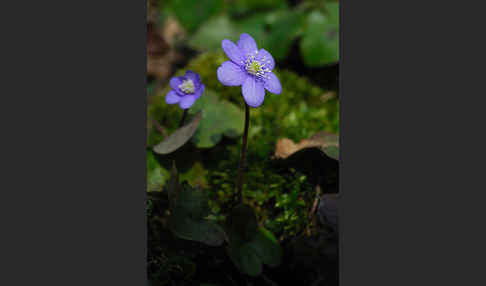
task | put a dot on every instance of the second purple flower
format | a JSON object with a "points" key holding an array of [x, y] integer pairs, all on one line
{"points": [[249, 67], [185, 90]]}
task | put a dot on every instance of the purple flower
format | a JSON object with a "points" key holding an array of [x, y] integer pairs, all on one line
{"points": [[185, 90], [249, 67]]}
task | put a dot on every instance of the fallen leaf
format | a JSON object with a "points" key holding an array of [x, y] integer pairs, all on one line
{"points": [[179, 137], [161, 52], [325, 141], [156, 44]]}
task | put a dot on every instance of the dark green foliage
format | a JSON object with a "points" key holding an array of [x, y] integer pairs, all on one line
{"points": [[320, 42], [185, 10], [314, 25], [188, 211], [156, 174], [250, 246]]}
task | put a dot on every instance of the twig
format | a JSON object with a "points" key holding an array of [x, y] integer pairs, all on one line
{"points": [[314, 208], [316, 202]]}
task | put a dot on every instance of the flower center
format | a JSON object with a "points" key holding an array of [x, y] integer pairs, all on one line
{"points": [[187, 86], [255, 67]]}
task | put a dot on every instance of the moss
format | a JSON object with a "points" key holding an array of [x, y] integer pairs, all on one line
{"points": [[281, 197]]}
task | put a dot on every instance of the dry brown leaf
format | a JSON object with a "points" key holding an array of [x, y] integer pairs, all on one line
{"points": [[161, 66], [172, 31], [286, 147], [161, 54]]}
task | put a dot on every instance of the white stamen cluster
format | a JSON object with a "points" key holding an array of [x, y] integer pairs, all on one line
{"points": [[187, 86], [255, 67]]}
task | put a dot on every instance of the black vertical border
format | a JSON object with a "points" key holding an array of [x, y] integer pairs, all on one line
{"points": [[412, 156], [72, 199]]}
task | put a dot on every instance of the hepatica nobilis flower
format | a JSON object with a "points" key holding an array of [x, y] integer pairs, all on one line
{"points": [[249, 67], [185, 90]]}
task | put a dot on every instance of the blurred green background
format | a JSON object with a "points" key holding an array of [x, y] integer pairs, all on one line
{"points": [[304, 32]]}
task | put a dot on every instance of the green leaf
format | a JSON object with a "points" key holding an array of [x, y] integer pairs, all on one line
{"points": [[242, 223], [203, 231], [179, 137], [191, 202], [219, 117], [285, 26], [211, 33], [267, 248], [189, 209], [156, 174], [192, 13], [250, 246], [320, 42], [245, 259]]}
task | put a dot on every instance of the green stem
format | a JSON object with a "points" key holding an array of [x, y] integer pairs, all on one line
{"points": [[239, 182], [184, 115]]}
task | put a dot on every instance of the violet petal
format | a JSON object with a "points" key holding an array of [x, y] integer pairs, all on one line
{"points": [[230, 74], [247, 45], [175, 82], [233, 52], [172, 97], [187, 101], [200, 91], [253, 91], [272, 83]]}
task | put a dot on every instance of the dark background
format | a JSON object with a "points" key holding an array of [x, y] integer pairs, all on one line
{"points": [[73, 199]]}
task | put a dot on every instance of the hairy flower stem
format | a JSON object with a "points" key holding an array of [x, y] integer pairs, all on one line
{"points": [[184, 115], [239, 182]]}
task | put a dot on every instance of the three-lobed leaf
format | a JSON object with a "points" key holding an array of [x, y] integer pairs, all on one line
{"points": [[189, 209], [219, 117], [250, 246], [267, 248]]}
